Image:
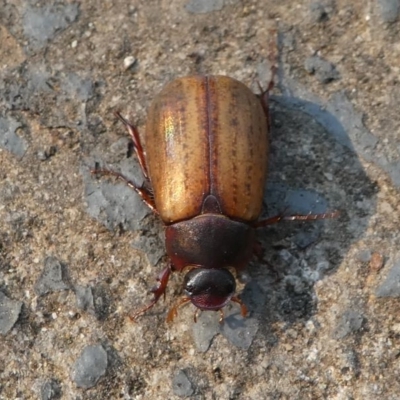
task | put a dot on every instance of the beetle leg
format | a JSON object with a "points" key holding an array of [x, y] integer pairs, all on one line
{"points": [[264, 95], [144, 193], [305, 217], [174, 310], [163, 278], [158, 291], [134, 133], [243, 308], [196, 313]]}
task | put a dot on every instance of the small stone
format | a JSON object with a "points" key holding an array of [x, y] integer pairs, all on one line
{"points": [[204, 330], [241, 331], [320, 11], [204, 6], [324, 70], [181, 384], [52, 278], [129, 62], [84, 298], [74, 44], [152, 246], [364, 255], [9, 313], [350, 321], [45, 154], [376, 262], [115, 204], [389, 10], [50, 390], [289, 41], [41, 24], [90, 366], [391, 286], [9, 140]]}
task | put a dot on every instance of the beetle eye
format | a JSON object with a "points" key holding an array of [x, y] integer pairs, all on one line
{"points": [[189, 289]]}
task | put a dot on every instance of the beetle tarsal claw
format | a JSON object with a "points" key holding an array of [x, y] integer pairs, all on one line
{"points": [[133, 317], [221, 316], [196, 314]]}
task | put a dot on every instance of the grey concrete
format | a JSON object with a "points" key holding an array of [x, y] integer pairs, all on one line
{"points": [[322, 296]]}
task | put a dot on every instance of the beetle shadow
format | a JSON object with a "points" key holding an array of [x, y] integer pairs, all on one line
{"points": [[313, 168]]}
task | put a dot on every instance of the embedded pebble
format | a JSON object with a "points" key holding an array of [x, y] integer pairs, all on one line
{"points": [[364, 255], [9, 140], [181, 384], [9, 313], [84, 298], [53, 278], [241, 331], [114, 204], [152, 246], [324, 70], [90, 366], [376, 262], [350, 321], [41, 24], [204, 6], [45, 154], [205, 329], [50, 390], [129, 62], [391, 286], [320, 11], [389, 10]]}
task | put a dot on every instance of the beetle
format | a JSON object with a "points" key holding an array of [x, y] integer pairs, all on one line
{"points": [[206, 157]]}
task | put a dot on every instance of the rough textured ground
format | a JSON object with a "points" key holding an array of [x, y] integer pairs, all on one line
{"points": [[78, 254]]}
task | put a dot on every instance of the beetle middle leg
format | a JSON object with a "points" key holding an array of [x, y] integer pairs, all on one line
{"points": [[273, 60], [144, 193], [134, 133], [264, 94]]}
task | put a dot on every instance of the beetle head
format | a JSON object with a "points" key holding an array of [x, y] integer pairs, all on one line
{"points": [[209, 288]]}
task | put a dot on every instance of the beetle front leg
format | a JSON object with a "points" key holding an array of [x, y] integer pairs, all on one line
{"points": [[134, 133], [158, 291], [144, 193]]}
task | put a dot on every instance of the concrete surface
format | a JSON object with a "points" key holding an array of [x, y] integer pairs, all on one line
{"points": [[77, 254]]}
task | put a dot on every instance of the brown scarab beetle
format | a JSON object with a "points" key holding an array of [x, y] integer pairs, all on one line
{"points": [[206, 161]]}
